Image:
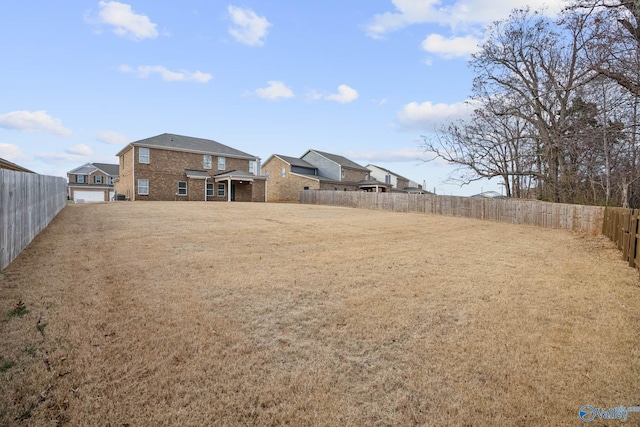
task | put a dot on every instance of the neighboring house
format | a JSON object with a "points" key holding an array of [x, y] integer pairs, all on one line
{"points": [[92, 182], [176, 167], [315, 170], [396, 181], [490, 195], [6, 164]]}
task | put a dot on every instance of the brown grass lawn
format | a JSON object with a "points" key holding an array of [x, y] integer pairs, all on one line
{"points": [[198, 314]]}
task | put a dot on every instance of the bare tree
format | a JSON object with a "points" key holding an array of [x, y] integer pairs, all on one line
{"points": [[488, 144]]}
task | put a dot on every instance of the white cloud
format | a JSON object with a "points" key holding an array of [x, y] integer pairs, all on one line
{"points": [[36, 121], [459, 14], [249, 28], [400, 155], [144, 71], [113, 138], [314, 95], [11, 152], [79, 150], [125, 21], [422, 116], [275, 90], [77, 153], [451, 47], [345, 94]]}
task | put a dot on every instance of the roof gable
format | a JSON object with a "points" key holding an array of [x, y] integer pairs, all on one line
{"points": [[369, 166], [190, 144]]}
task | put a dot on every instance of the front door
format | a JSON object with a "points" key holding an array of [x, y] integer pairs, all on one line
{"points": [[233, 192]]}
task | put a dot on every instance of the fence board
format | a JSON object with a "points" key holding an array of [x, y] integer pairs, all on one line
{"points": [[28, 202], [587, 219]]}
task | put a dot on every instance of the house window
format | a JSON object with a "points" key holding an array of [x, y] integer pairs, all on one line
{"points": [[366, 176], [97, 179], [209, 190], [206, 161], [306, 187], [283, 172], [110, 180], [143, 155], [252, 167], [387, 179], [267, 173], [143, 187], [80, 179], [182, 188], [220, 190], [222, 163], [343, 173]]}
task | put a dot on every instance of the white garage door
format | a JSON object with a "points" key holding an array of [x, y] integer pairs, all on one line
{"points": [[88, 196]]}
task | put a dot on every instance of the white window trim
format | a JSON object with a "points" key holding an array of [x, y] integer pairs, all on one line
{"points": [[252, 166], [98, 179], [180, 189], [283, 172], [140, 193], [222, 163], [207, 161], [148, 156], [84, 179], [212, 189], [222, 187]]}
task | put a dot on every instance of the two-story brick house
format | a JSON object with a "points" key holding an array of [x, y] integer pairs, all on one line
{"points": [[175, 167], [314, 170], [92, 182]]}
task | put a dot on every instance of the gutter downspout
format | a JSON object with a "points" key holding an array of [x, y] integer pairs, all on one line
{"points": [[205, 188]]}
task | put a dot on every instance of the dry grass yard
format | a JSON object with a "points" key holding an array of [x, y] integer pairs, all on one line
{"points": [[193, 314]]}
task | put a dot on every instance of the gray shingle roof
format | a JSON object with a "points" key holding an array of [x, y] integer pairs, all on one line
{"points": [[294, 161], [319, 178], [342, 161], [237, 174], [188, 143], [109, 168]]}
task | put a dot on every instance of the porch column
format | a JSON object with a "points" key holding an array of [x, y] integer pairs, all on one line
{"points": [[229, 189]]}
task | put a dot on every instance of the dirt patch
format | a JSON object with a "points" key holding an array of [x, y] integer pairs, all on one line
{"points": [[269, 314]]}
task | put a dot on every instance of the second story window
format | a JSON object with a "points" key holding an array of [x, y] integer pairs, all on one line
{"points": [[80, 179], [206, 161], [97, 179], [283, 172], [344, 173], [252, 166], [143, 155], [222, 163]]}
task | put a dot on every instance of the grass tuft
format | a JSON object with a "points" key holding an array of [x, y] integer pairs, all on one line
{"points": [[5, 366], [19, 310]]}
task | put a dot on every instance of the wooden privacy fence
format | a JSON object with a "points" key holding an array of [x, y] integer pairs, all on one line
{"points": [[587, 219], [622, 226], [28, 202]]}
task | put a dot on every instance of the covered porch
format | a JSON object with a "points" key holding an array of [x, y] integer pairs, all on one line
{"points": [[239, 186]]}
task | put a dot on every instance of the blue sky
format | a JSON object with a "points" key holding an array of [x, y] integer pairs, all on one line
{"points": [[81, 79]]}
